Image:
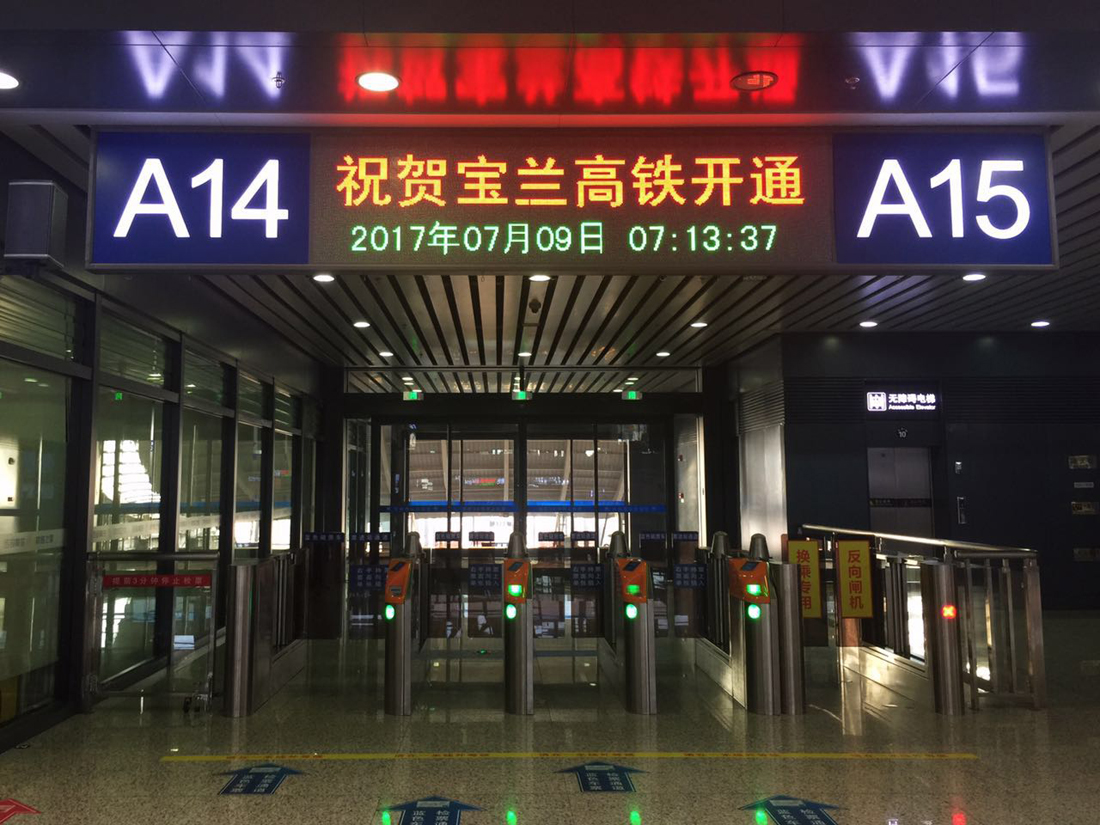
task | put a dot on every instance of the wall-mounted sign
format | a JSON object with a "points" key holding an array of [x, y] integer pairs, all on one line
{"points": [[853, 567], [807, 554], [903, 400], [610, 199], [1082, 462], [950, 198]]}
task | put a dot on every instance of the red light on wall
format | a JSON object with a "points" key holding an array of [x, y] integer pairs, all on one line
{"points": [[540, 74], [481, 77], [423, 75], [657, 74], [949, 611], [598, 75]]}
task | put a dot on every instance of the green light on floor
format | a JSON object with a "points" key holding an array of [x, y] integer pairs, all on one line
{"points": [[633, 589], [510, 611], [632, 611], [511, 818], [385, 818], [515, 590], [754, 611], [391, 611], [753, 589], [761, 817], [635, 818]]}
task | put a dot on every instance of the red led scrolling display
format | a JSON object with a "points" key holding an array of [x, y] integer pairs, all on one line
{"points": [[545, 197]]}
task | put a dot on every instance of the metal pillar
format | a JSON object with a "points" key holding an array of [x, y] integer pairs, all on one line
{"points": [[788, 590], [941, 630], [400, 605], [519, 634]]}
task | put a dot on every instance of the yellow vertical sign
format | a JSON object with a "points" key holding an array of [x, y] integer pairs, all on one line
{"points": [[853, 569], [807, 554]]}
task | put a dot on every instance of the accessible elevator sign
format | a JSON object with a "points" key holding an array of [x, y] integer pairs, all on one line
{"points": [[617, 200]]}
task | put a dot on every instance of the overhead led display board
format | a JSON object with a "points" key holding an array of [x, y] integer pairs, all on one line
{"points": [[616, 200]]}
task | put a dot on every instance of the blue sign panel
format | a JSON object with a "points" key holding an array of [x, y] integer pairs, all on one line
{"points": [[365, 538], [448, 536], [790, 810], [686, 536], [432, 810], [482, 536], [586, 576], [584, 535], [957, 198], [603, 777], [690, 576], [366, 578], [485, 577], [557, 536], [195, 198], [261, 780]]}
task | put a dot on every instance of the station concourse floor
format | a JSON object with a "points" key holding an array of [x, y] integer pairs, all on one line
{"points": [[876, 756]]}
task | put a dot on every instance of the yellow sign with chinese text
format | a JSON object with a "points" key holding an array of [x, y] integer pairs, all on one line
{"points": [[806, 553], [853, 570]]}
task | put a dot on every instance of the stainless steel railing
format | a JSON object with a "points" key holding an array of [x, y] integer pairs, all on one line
{"points": [[998, 590]]}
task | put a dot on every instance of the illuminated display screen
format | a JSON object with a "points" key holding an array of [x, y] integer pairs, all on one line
{"points": [[566, 198]]}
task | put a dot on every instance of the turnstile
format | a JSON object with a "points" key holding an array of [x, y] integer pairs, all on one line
{"points": [[519, 630]]}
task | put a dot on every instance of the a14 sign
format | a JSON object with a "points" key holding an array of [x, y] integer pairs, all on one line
{"points": [[993, 207], [161, 198]]}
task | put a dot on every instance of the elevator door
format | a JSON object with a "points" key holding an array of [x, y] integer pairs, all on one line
{"points": [[900, 484]]}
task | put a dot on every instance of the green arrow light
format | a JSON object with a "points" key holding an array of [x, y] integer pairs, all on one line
{"points": [[753, 589], [633, 589]]}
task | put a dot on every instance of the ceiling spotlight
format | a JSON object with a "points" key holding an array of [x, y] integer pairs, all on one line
{"points": [[974, 276], [618, 389], [699, 324], [754, 81], [868, 324], [1040, 324], [323, 278], [408, 379], [540, 278], [525, 354], [386, 354], [664, 354], [378, 81], [361, 324], [7, 81], [632, 378]]}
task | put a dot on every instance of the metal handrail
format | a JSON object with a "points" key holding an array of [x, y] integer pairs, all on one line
{"points": [[977, 550]]}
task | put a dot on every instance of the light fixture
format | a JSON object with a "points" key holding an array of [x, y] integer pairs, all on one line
{"points": [[408, 379], [361, 324], [155, 375], [30, 380], [1040, 324], [7, 81], [754, 81], [540, 278], [868, 324], [525, 354], [378, 81], [632, 378], [664, 354], [323, 278], [974, 276], [386, 354], [698, 324]]}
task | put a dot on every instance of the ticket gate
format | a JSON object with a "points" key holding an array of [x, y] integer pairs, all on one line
{"points": [[519, 631], [400, 607]]}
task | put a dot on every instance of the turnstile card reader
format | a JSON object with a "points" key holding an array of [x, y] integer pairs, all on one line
{"points": [[399, 609], [398, 579], [749, 581]]}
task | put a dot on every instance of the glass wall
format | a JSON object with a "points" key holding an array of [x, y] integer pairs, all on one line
{"points": [[246, 525], [34, 429], [283, 507], [200, 482]]}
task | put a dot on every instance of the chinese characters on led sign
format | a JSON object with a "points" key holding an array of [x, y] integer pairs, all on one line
{"points": [[882, 401], [407, 198]]}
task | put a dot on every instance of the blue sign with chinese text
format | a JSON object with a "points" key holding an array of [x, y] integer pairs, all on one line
{"points": [[586, 576], [968, 199], [262, 780], [432, 810], [485, 577], [201, 198], [689, 576], [603, 777], [366, 578]]}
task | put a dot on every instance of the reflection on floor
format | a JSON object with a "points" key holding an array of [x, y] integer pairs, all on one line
{"points": [[877, 757]]}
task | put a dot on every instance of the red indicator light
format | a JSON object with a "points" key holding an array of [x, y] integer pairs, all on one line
{"points": [[958, 818], [949, 611]]}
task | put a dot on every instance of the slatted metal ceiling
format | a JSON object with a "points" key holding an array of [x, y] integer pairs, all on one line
{"points": [[589, 332]]}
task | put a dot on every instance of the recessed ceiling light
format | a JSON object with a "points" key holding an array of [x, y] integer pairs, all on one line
{"points": [[386, 354], [408, 379], [618, 389], [974, 276], [323, 278], [378, 81], [868, 324], [155, 375], [663, 354], [1040, 324], [699, 324], [754, 81], [540, 278], [361, 324], [525, 354], [632, 378], [7, 81], [30, 380]]}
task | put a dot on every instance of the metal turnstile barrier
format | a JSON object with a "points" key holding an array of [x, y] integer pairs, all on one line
{"points": [[639, 635], [101, 627], [400, 609], [519, 630]]}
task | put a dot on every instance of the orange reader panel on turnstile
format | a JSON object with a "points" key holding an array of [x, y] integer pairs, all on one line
{"points": [[398, 578], [749, 580], [632, 580], [517, 575]]}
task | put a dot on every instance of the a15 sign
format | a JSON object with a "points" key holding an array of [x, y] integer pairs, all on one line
{"points": [[944, 198], [198, 198]]}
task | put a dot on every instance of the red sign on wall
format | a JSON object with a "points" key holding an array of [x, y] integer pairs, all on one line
{"points": [[157, 580]]}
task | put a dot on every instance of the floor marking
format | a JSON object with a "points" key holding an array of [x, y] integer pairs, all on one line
{"points": [[585, 755]]}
